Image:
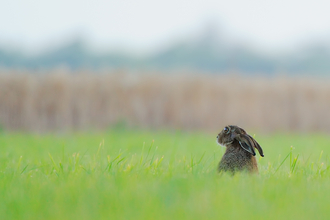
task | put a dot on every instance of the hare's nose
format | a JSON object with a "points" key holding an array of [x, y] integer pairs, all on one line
{"points": [[218, 136]]}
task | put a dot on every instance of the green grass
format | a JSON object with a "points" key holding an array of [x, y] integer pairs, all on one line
{"points": [[159, 175]]}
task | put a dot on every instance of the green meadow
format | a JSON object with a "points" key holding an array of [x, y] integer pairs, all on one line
{"points": [[129, 174]]}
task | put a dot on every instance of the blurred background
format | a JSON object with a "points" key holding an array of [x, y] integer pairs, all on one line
{"points": [[190, 65]]}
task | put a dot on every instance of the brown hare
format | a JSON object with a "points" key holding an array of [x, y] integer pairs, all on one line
{"points": [[240, 154]]}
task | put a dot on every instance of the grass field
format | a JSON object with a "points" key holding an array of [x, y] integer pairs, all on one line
{"points": [[159, 175]]}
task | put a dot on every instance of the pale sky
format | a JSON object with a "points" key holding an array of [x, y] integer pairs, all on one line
{"points": [[147, 24]]}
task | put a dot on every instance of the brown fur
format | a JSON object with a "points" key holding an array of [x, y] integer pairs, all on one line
{"points": [[240, 154]]}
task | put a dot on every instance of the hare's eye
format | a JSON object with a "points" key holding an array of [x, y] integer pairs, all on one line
{"points": [[226, 129]]}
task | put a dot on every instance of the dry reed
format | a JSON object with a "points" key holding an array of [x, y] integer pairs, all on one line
{"points": [[59, 101]]}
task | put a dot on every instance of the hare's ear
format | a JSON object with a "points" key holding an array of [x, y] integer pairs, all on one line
{"points": [[256, 145], [246, 143]]}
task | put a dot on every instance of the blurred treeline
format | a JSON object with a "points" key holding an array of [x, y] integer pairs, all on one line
{"points": [[81, 100], [207, 53]]}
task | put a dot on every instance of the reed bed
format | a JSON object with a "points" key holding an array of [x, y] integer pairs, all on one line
{"points": [[60, 101]]}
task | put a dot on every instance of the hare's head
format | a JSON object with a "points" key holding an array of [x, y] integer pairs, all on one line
{"points": [[233, 135]]}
